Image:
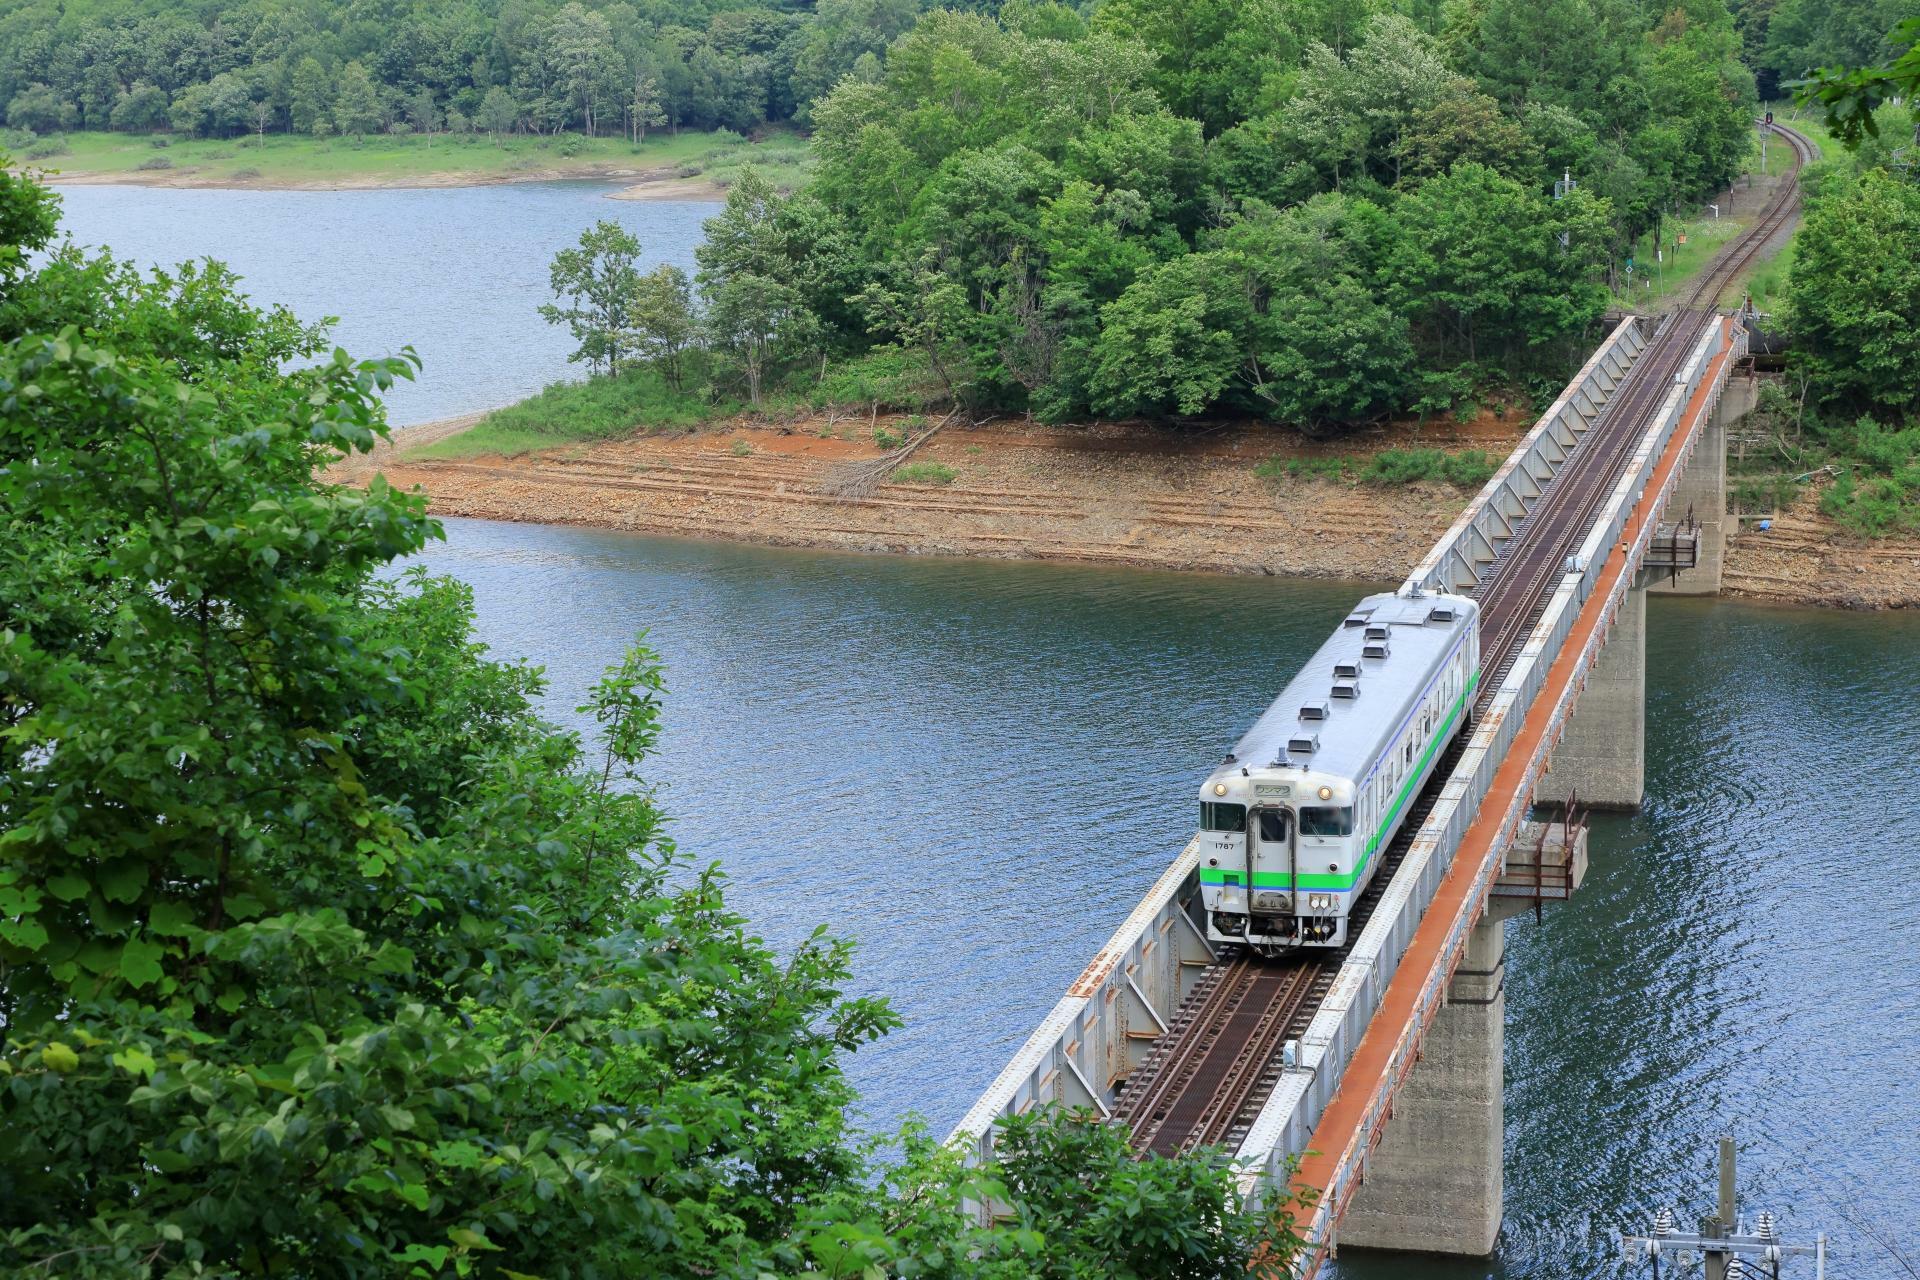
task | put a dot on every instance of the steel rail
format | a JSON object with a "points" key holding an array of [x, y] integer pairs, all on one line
{"points": [[1510, 605]]}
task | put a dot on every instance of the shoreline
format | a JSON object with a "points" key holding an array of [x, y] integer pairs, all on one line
{"points": [[661, 182], [1115, 494]]}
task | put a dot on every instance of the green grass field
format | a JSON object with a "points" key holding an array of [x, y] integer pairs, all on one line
{"points": [[296, 160]]}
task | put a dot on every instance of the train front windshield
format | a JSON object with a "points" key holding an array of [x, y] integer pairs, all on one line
{"points": [[1215, 816]]}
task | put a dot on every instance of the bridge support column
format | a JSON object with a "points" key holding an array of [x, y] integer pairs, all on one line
{"points": [[1435, 1182], [1602, 757], [1702, 488]]}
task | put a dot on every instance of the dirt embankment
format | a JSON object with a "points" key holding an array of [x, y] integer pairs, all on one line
{"points": [[1112, 494], [1108, 494], [1805, 558]]}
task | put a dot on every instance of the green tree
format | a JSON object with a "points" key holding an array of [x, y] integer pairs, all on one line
{"points": [[1855, 292], [39, 108], [578, 47], [423, 113], [1173, 342], [596, 280], [644, 110], [1477, 262], [759, 277], [356, 102], [661, 325], [271, 765], [1281, 315], [1853, 91], [499, 113], [756, 320], [216, 109], [1215, 58], [141, 109], [311, 95]]}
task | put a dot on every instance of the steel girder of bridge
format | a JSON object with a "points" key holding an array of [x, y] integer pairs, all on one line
{"points": [[1335, 1090]]}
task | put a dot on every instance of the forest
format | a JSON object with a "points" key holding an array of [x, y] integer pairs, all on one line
{"points": [[310, 66], [1314, 214]]}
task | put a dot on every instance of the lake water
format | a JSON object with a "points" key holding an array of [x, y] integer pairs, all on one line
{"points": [[977, 768], [458, 272]]}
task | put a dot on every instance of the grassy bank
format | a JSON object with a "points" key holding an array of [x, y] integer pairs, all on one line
{"points": [[292, 160], [580, 413]]}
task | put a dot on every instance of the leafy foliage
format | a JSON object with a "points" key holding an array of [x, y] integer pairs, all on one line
{"points": [[1855, 291], [1833, 57], [320, 953]]}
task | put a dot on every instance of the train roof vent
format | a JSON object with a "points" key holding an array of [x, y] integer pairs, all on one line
{"points": [[1303, 746], [1374, 649], [1440, 613], [1348, 689], [1358, 618], [1378, 631], [1314, 711], [1346, 671]]}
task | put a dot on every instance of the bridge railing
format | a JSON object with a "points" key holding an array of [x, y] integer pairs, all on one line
{"points": [[1287, 1122], [1490, 520], [1102, 1028]]}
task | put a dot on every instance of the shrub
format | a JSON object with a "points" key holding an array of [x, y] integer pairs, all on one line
{"points": [[47, 149], [1764, 492], [887, 439], [887, 378], [924, 473], [160, 141], [1468, 470], [571, 145], [155, 162], [741, 449], [245, 175], [1296, 468], [250, 141], [1880, 493]]}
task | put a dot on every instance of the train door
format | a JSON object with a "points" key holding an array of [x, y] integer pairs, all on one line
{"points": [[1270, 842]]}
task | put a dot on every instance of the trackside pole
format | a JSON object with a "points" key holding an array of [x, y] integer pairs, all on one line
{"points": [[1723, 1237]]}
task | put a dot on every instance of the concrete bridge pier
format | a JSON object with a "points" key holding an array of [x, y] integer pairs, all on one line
{"points": [[1601, 759], [1702, 490], [1435, 1182]]}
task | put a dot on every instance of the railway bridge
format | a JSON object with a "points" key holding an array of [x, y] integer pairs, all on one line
{"points": [[1370, 1078]]}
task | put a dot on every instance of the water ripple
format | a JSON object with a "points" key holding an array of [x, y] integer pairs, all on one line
{"points": [[976, 769]]}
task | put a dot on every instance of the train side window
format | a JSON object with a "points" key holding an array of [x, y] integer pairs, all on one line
{"points": [[1409, 751], [1326, 820], [1222, 817]]}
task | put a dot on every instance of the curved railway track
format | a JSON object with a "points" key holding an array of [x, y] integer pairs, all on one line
{"points": [[1203, 1081], [1524, 573]]}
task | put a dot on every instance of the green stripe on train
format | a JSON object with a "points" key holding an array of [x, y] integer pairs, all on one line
{"points": [[1345, 880]]}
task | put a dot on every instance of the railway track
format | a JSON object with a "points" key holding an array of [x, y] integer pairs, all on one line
{"points": [[1523, 575], [1206, 1078]]}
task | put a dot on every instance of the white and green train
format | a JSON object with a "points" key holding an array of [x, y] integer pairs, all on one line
{"points": [[1294, 823]]}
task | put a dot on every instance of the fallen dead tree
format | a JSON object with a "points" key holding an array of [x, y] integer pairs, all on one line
{"points": [[860, 479]]}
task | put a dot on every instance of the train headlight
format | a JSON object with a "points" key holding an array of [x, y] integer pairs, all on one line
{"points": [[1219, 788], [1326, 793]]}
